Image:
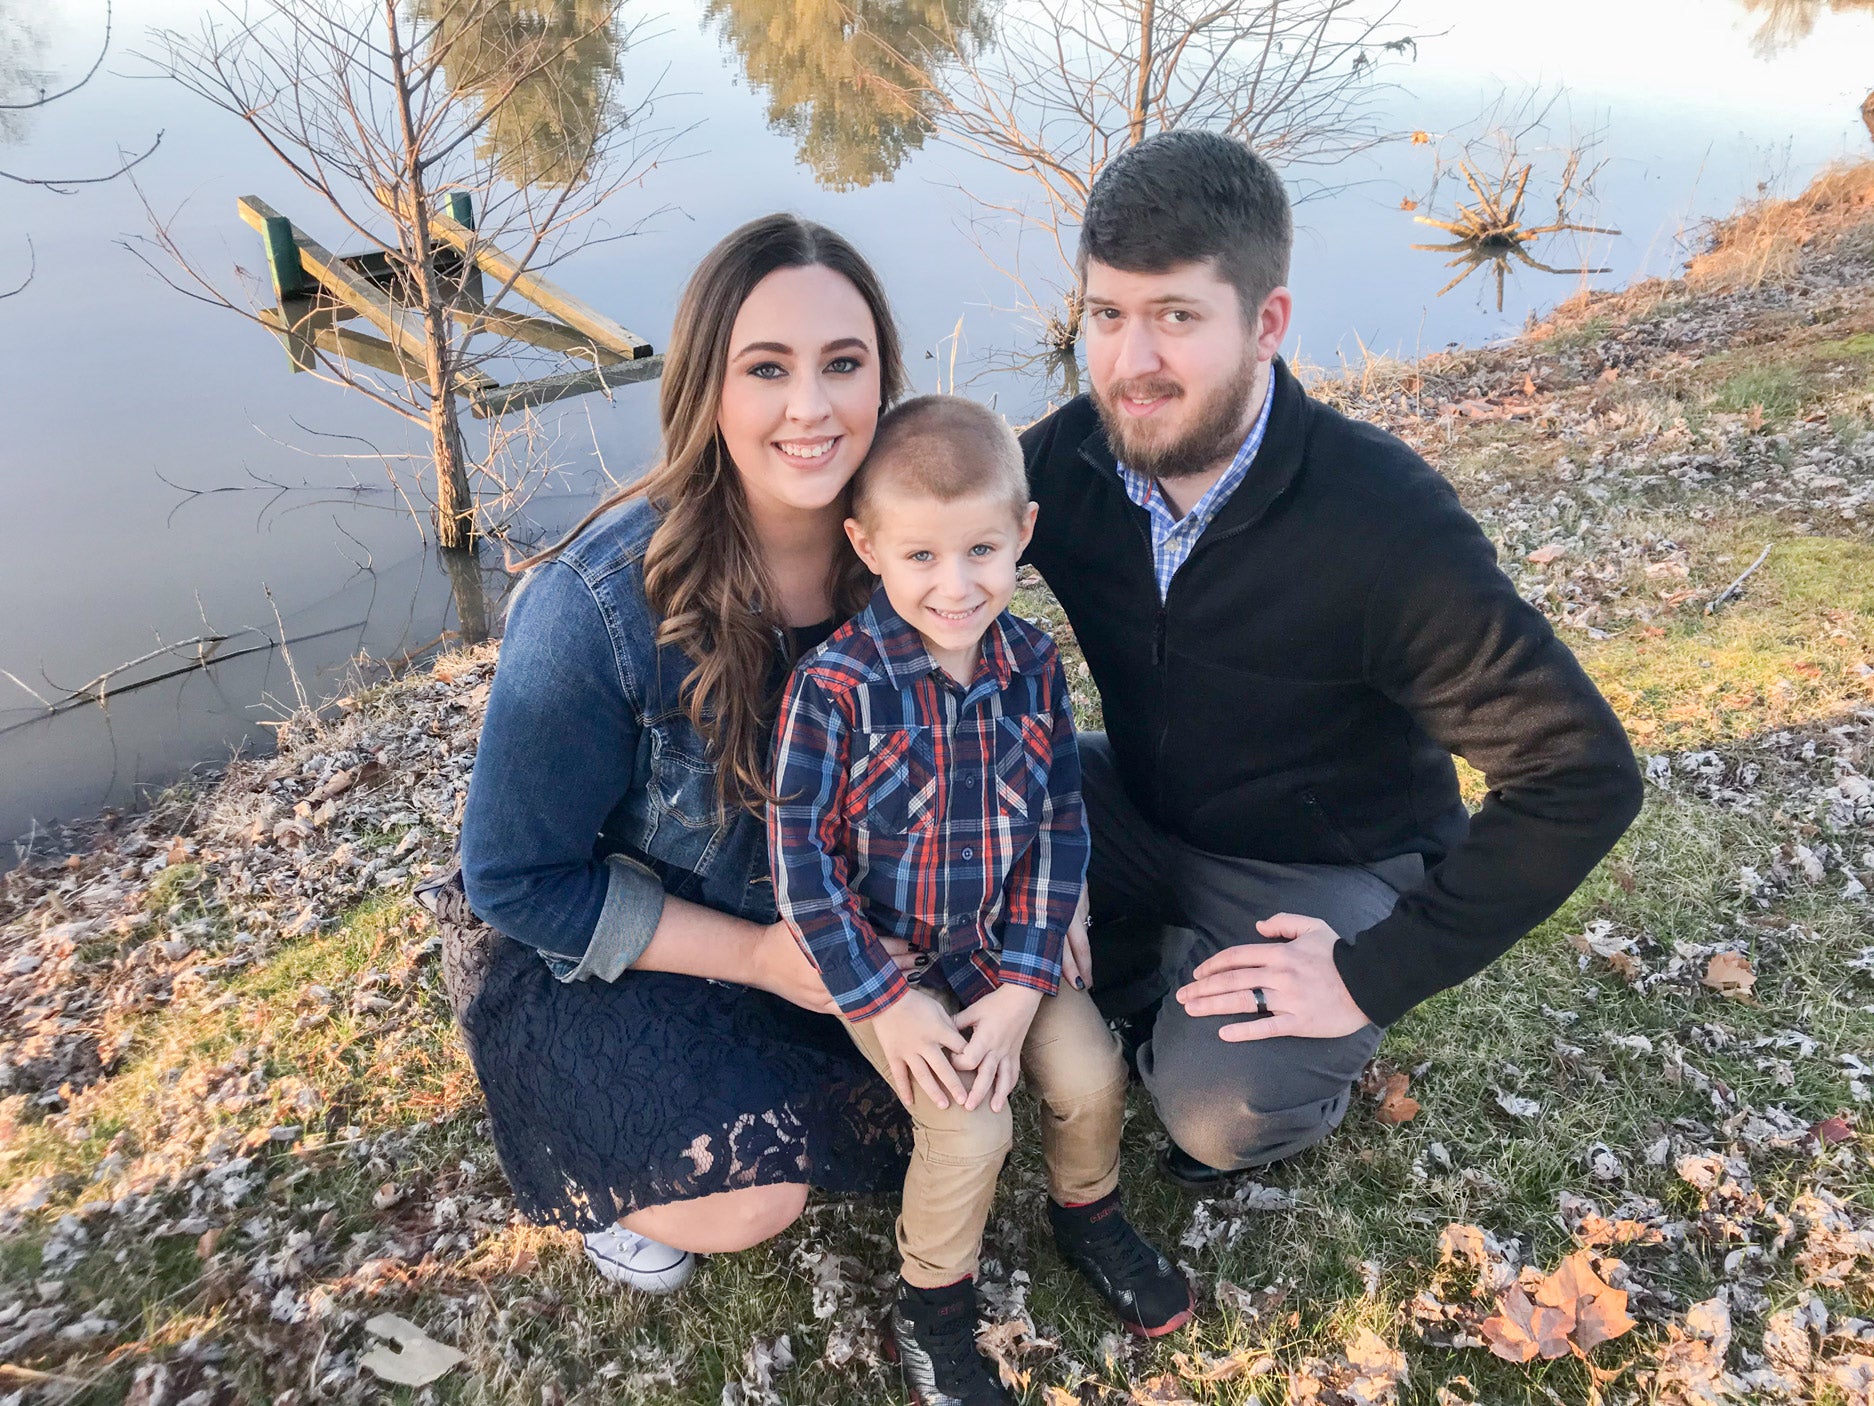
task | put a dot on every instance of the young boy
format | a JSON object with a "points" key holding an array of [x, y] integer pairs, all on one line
{"points": [[928, 790]]}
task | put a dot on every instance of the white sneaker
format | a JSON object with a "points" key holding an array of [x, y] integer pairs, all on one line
{"points": [[625, 1257]]}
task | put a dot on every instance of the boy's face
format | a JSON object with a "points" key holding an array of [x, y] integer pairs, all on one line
{"points": [[947, 568]]}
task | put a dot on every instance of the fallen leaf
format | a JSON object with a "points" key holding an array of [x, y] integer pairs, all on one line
{"points": [[1730, 974], [1542, 556], [1831, 1131], [1162, 1390], [1517, 1106], [417, 1359], [1395, 1104]]}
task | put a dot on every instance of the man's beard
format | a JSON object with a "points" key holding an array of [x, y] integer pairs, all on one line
{"points": [[1216, 430]]}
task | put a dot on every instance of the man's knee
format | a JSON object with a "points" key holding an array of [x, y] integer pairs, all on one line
{"points": [[1231, 1134], [1235, 1105]]}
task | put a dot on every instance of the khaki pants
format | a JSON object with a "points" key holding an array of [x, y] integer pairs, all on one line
{"points": [[1072, 1062]]}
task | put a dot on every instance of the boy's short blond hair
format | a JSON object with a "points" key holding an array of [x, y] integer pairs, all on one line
{"points": [[943, 447]]}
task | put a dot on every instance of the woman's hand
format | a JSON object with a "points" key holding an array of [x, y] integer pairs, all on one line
{"points": [[1077, 955], [918, 1037], [782, 968], [998, 1027]]}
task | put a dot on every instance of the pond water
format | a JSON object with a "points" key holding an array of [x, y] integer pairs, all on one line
{"points": [[165, 476]]}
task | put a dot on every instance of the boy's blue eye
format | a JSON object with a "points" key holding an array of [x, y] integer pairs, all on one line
{"points": [[920, 556], [982, 549]]}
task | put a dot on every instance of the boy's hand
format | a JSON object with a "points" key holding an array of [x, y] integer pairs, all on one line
{"points": [[998, 1024], [918, 1038]]}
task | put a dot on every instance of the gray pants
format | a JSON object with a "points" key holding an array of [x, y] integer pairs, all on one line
{"points": [[1159, 908]]}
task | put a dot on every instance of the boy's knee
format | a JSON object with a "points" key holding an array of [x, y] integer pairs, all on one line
{"points": [[957, 1134]]}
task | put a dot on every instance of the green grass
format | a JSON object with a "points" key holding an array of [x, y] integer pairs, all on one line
{"points": [[1778, 391]]}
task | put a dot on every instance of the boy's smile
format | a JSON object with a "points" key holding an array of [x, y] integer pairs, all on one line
{"points": [[947, 568]]}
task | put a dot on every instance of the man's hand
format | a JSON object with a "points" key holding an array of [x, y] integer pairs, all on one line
{"points": [[918, 1038], [997, 1025], [1299, 985]]}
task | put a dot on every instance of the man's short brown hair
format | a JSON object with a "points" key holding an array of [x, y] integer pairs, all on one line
{"points": [[1188, 196], [943, 447]]}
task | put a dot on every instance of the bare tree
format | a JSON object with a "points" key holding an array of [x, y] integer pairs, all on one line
{"points": [[1066, 87], [16, 75], [382, 112]]}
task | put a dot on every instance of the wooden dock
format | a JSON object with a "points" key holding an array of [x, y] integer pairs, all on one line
{"points": [[318, 292]]}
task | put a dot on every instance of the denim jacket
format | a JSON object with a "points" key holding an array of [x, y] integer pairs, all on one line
{"points": [[592, 796]]}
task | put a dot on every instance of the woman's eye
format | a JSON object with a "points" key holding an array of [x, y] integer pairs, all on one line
{"points": [[767, 370], [843, 365]]}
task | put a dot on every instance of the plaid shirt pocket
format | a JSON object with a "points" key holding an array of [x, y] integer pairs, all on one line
{"points": [[1024, 746], [892, 784]]}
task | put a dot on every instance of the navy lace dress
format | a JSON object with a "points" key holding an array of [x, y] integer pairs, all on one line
{"points": [[608, 1097]]}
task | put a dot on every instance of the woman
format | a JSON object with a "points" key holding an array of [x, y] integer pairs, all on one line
{"points": [[664, 1081]]}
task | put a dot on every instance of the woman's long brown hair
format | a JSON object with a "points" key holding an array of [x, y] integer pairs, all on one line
{"points": [[703, 570]]}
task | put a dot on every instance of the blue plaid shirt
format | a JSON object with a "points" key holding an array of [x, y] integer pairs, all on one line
{"points": [[913, 807], [1174, 538]]}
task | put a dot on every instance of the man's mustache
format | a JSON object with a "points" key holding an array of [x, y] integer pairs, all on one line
{"points": [[1143, 390]]}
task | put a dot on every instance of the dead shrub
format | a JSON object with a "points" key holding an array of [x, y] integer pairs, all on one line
{"points": [[1763, 242]]}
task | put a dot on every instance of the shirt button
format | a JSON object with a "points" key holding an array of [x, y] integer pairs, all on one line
{"points": [[969, 781], [968, 853]]}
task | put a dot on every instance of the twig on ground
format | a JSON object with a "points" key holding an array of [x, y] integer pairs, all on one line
{"points": [[1736, 588]]}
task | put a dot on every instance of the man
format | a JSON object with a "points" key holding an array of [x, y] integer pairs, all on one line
{"points": [[1293, 625]]}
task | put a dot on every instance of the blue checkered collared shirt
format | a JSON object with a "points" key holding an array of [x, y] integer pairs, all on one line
{"points": [[1175, 538]]}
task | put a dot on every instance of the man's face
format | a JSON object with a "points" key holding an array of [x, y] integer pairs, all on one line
{"points": [[1174, 363]]}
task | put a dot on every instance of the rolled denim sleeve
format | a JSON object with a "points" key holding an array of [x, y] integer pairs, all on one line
{"points": [[557, 753], [1043, 885], [808, 844]]}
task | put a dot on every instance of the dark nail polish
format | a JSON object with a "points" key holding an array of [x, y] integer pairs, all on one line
{"points": [[1079, 985]]}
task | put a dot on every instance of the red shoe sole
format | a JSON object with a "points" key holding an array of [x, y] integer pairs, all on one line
{"points": [[1172, 1326]]}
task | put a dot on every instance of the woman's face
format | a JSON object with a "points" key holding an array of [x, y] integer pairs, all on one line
{"points": [[800, 400]]}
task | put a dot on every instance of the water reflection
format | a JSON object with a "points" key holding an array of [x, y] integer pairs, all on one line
{"points": [[1787, 22], [851, 82], [547, 67], [22, 51]]}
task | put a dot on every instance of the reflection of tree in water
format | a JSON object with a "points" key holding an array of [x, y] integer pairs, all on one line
{"points": [[848, 81], [560, 58], [21, 77], [1786, 22]]}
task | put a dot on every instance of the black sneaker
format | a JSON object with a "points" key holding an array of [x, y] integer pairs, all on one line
{"points": [[933, 1340], [1150, 1295]]}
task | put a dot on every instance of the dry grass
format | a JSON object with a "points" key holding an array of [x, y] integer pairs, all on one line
{"points": [[1763, 242]]}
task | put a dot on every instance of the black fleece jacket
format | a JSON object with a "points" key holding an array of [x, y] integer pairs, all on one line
{"points": [[1340, 630]]}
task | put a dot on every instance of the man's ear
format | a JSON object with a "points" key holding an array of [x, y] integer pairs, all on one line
{"points": [[855, 534], [1271, 326], [1028, 526]]}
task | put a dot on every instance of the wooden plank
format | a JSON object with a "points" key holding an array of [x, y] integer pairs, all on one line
{"points": [[541, 332], [541, 292], [296, 322], [363, 348], [522, 394], [341, 281]]}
